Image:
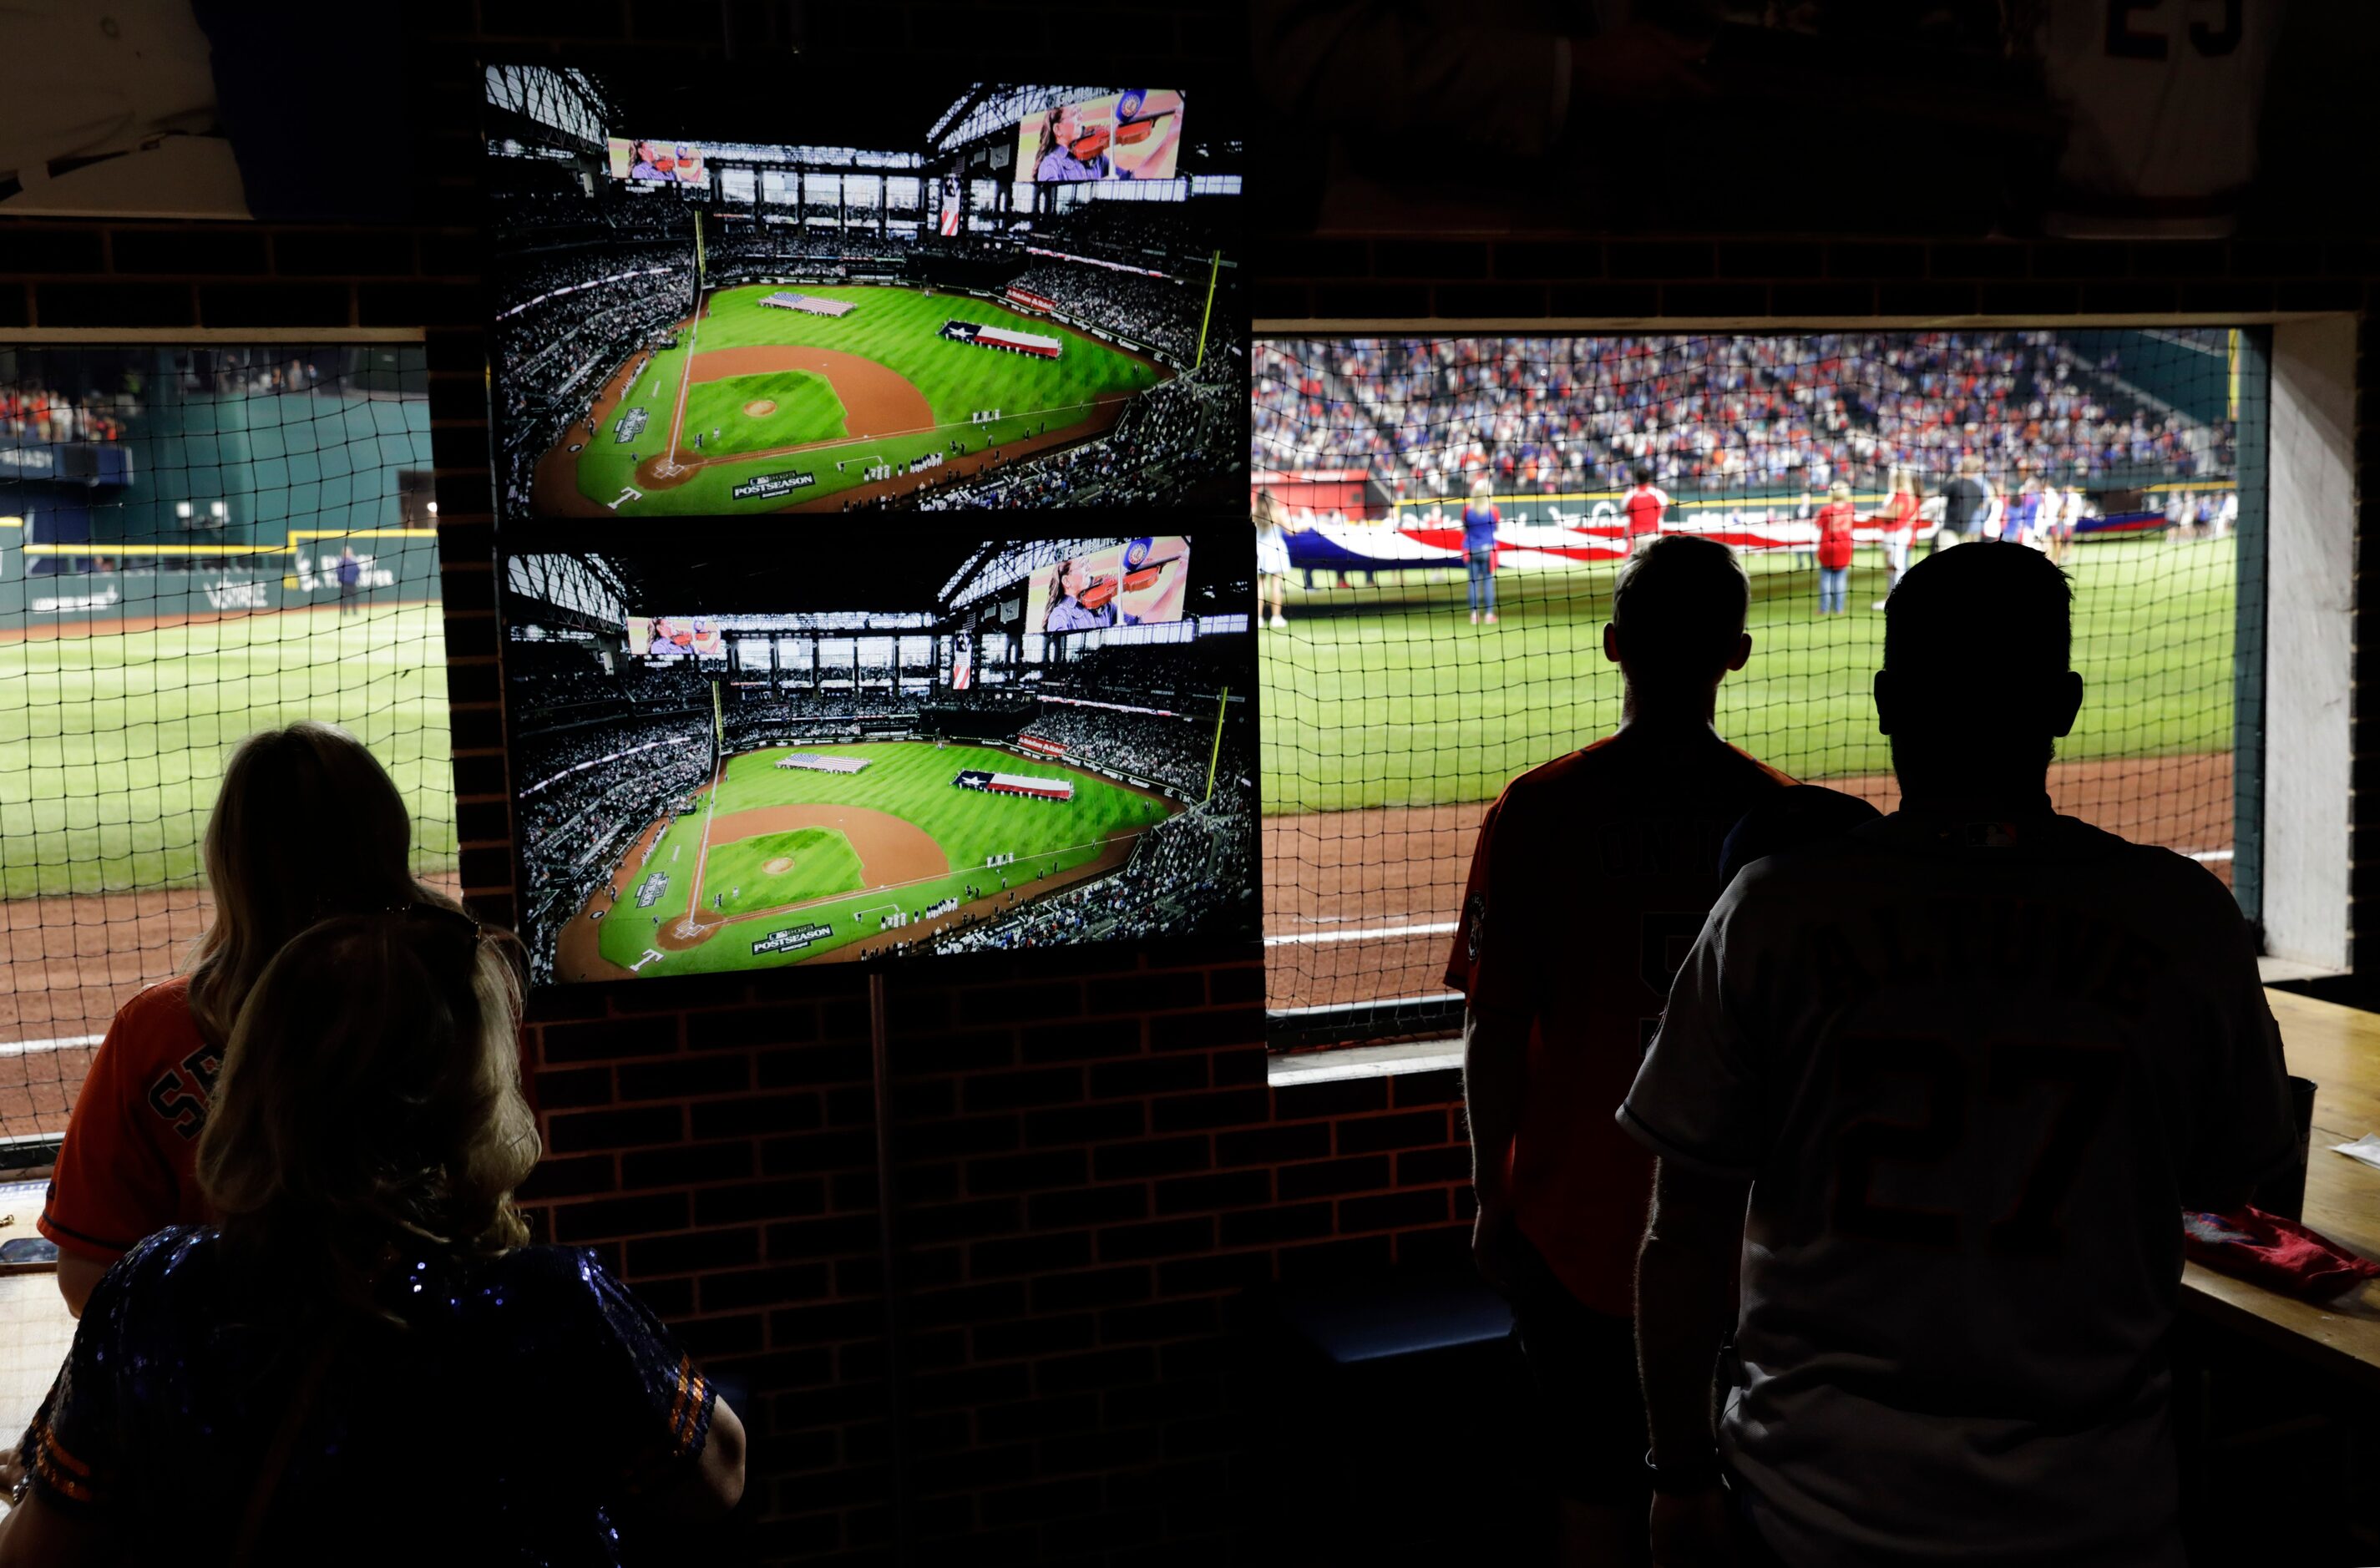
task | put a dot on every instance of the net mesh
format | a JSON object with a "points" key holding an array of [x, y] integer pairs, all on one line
{"points": [[1400, 690], [195, 543]]}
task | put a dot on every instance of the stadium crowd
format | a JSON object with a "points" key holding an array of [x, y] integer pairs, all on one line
{"points": [[1173, 751], [1714, 412], [1160, 314], [1162, 440], [1184, 873]]}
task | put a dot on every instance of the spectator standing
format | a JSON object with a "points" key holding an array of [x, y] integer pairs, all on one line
{"points": [[350, 575], [306, 823], [1805, 513], [1837, 521], [1587, 870], [1479, 520], [1957, 1356]]}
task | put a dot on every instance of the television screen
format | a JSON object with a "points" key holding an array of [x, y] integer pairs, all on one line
{"points": [[844, 290], [728, 757], [1135, 134], [655, 163]]}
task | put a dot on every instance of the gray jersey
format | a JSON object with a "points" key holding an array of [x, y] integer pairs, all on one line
{"points": [[1975, 1072]]}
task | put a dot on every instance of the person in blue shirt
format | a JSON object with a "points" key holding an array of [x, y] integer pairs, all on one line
{"points": [[1058, 161], [1068, 613], [350, 573], [1480, 520]]}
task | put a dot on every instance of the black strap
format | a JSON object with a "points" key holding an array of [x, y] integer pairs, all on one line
{"points": [[276, 1457]]}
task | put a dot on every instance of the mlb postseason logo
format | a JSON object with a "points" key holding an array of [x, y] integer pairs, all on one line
{"points": [[630, 426], [765, 486], [789, 939]]}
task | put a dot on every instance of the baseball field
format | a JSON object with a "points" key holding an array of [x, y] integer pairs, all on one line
{"points": [[795, 408], [1389, 722], [112, 744], [778, 866]]}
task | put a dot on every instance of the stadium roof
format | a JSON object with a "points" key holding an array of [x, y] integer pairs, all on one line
{"points": [[923, 115], [798, 567]]}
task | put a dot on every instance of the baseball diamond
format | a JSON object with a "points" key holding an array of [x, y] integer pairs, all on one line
{"points": [[776, 850], [752, 388]]}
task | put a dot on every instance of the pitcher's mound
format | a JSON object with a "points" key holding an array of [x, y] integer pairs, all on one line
{"points": [[759, 406], [780, 866]]}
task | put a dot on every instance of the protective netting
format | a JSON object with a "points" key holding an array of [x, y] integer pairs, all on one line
{"points": [[1396, 705], [196, 543]]}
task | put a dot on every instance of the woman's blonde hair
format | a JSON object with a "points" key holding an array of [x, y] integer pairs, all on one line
{"points": [[371, 1087], [307, 825], [1840, 490]]}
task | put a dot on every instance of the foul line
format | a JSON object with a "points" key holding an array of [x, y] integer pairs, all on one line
{"points": [[686, 377], [1436, 928], [34, 1047]]}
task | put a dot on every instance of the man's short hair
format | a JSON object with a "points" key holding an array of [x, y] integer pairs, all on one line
{"points": [[1971, 464], [1679, 604], [1642, 473], [2005, 598]]}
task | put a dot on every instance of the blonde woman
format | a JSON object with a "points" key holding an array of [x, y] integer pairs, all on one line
{"points": [[361, 1362], [1272, 556], [307, 825], [1898, 521]]}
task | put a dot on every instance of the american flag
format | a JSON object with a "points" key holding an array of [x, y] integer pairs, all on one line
{"points": [[949, 209]]}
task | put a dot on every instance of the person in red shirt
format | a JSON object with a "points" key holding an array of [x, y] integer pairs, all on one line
{"points": [[1646, 506], [1591, 877], [1836, 520], [306, 826], [1898, 521]]}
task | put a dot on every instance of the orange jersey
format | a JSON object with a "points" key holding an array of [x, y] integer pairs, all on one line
{"points": [[1591, 880], [125, 1169]]}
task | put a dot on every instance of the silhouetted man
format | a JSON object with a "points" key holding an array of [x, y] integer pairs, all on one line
{"points": [[1965, 1161], [1591, 876]]}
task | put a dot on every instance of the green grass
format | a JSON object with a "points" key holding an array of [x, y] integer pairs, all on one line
{"points": [[806, 411], [906, 779], [897, 328], [1389, 696], [823, 863], [112, 744]]}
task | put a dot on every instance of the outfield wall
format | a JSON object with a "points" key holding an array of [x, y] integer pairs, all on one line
{"points": [[397, 566]]}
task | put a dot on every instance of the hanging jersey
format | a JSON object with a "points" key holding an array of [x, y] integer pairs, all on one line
{"points": [[1591, 876], [2164, 97], [1969, 1161]]}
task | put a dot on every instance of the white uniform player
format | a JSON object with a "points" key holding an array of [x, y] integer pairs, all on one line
{"points": [[2046, 514], [1967, 1162]]}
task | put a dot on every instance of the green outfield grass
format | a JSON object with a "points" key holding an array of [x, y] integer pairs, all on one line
{"points": [[1388, 696], [910, 780], [896, 327], [112, 744], [823, 863], [807, 410]]}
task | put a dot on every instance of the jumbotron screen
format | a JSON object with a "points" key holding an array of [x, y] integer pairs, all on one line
{"points": [[655, 163], [1137, 583], [1135, 134], [730, 757]]}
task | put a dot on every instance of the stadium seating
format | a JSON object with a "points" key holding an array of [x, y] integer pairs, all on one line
{"points": [[1715, 413]]}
